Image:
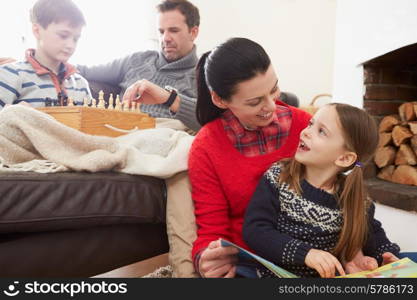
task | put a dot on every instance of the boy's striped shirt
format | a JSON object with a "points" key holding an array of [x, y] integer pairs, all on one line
{"points": [[31, 82]]}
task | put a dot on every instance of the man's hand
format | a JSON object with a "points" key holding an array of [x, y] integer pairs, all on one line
{"points": [[324, 263], [388, 257], [146, 92], [361, 263], [217, 261]]}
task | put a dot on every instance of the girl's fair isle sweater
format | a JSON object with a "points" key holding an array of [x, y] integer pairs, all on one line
{"points": [[223, 179], [282, 226]]}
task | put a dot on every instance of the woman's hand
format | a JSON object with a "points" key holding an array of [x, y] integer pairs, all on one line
{"points": [[361, 263], [388, 257], [324, 263], [217, 261]]}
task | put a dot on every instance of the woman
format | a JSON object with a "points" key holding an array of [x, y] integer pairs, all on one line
{"points": [[245, 129]]}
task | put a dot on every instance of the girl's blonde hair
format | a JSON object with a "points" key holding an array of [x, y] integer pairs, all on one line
{"points": [[361, 136]]}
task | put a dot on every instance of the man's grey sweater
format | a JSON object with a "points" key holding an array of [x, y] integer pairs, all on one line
{"points": [[153, 66]]}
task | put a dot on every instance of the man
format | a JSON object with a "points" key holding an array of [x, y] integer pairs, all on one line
{"points": [[162, 81]]}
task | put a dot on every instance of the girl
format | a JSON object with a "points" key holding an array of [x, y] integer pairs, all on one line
{"points": [[310, 214], [245, 129]]}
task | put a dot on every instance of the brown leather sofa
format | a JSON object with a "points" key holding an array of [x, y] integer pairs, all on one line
{"points": [[79, 224]]}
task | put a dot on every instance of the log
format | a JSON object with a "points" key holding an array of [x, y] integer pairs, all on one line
{"points": [[384, 156], [386, 173], [388, 123], [385, 138], [405, 156], [413, 127], [415, 108], [407, 112], [405, 175], [400, 135], [413, 143]]}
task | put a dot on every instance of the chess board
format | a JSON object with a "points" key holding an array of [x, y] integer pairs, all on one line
{"points": [[98, 120]]}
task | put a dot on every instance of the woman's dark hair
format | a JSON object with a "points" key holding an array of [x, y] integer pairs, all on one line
{"points": [[220, 70]]}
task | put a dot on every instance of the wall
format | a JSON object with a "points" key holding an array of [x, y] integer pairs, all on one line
{"points": [[15, 28], [365, 30], [114, 29], [297, 34], [394, 221]]}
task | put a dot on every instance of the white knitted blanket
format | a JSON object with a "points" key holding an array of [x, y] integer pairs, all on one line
{"points": [[31, 140]]}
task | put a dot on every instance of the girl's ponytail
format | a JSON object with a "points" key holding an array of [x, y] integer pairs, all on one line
{"points": [[361, 137], [353, 204]]}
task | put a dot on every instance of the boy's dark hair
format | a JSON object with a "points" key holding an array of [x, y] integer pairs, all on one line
{"points": [[45, 12], [192, 16], [221, 70]]}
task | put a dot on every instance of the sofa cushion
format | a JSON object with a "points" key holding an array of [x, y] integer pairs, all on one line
{"points": [[32, 202], [92, 251]]}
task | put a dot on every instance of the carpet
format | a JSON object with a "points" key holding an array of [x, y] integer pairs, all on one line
{"points": [[162, 272]]}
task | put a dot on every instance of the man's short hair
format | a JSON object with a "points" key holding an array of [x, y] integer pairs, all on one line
{"points": [[192, 16], [45, 12]]}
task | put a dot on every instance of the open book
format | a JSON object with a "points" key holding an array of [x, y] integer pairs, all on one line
{"points": [[403, 268]]}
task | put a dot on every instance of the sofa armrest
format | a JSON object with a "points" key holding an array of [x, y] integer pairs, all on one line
{"points": [[290, 99]]}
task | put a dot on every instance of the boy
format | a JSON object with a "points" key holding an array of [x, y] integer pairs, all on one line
{"points": [[45, 78]]}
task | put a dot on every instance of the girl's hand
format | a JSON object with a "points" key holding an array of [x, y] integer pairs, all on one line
{"points": [[361, 263], [324, 263], [388, 257], [217, 261]]}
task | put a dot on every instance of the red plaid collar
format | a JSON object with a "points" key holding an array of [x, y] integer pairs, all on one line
{"points": [[238, 129], [259, 141]]}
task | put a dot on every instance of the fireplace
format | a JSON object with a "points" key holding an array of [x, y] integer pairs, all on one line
{"points": [[390, 95]]}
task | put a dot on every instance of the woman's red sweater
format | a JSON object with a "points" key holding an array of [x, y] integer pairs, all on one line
{"points": [[223, 180]]}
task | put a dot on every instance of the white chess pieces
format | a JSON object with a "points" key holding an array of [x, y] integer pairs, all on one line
{"points": [[111, 102], [85, 102], [118, 105], [70, 102], [101, 103], [93, 102]]}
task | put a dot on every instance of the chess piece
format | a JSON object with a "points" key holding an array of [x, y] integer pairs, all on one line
{"points": [[111, 102], [85, 102], [93, 102], [118, 104], [101, 103], [70, 102], [132, 108]]}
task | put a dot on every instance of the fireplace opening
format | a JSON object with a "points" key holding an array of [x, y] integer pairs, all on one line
{"points": [[390, 95]]}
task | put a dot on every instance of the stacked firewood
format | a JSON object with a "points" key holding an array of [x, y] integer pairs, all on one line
{"points": [[396, 155]]}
